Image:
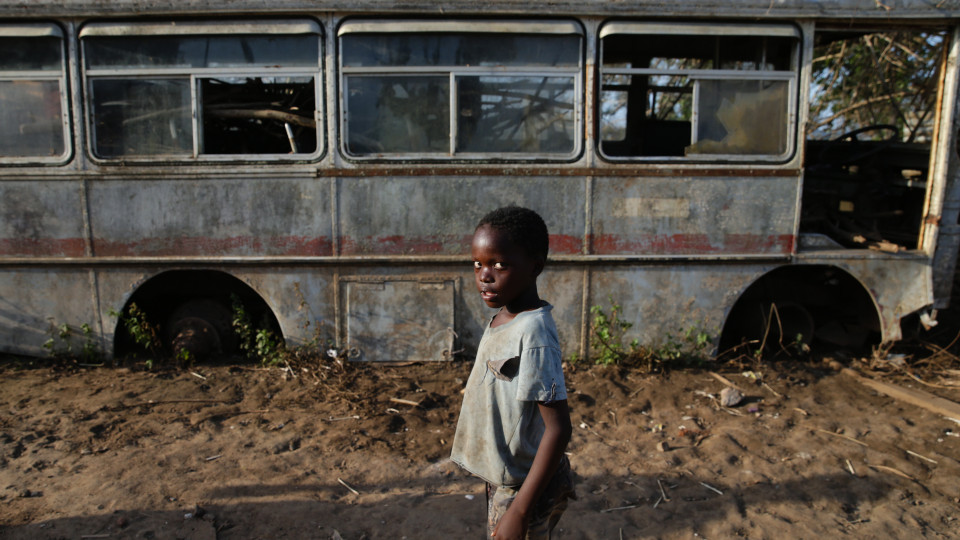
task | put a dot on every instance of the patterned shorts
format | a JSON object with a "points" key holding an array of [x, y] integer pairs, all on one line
{"points": [[547, 511]]}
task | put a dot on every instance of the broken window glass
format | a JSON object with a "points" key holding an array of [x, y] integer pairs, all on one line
{"points": [[32, 84], [515, 114], [231, 89], [397, 114], [697, 91], [873, 105], [460, 89]]}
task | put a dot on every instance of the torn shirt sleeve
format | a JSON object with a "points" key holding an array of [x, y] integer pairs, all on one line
{"points": [[540, 377]]}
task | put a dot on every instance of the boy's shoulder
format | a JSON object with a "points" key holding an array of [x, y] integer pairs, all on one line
{"points": [[538, 328]]}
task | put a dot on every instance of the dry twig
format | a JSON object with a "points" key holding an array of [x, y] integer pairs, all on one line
{"points": [[346, 485], [851, 439]]}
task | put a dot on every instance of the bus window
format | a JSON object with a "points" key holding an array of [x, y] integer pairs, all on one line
{"points": [[449, 89], [873, 110], [199, 90], [32, 93], [697, 91]]}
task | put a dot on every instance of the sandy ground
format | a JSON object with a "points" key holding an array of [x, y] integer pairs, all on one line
{"points": [[238, 452]]}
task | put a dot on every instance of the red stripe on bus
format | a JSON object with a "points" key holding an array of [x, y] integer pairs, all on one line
{"points": [[607, 244], [197, 246], [42, 247], [446, 244], [691, 244]]}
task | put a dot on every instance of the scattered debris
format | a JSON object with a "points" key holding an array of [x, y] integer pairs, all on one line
{"points": [[663, 446], [851, 439], [919, 398], [914, 454], [774, 392], [346, 485], [604, 511], [724, 380], [405, 402], [730, 397], [663, 494], [897, 472], [711, 488]]}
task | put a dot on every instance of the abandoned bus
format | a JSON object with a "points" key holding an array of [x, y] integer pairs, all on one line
{"points": [[734, 166]]}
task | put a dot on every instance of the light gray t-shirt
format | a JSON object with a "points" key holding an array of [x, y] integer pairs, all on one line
{"points": [[518, 364]]}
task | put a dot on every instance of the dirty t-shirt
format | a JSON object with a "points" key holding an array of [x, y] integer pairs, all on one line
{"points": [[518, 364]]}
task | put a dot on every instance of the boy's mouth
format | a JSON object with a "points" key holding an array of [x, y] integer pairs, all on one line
{"points": [[487, 294]]}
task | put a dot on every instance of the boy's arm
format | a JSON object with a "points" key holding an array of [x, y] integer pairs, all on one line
{"points": [[556, 435]]}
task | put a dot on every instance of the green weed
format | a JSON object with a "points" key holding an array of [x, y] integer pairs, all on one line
{"points": [[144, 333], [691, 346], [61, 343], [606, 335], [256, 342]]}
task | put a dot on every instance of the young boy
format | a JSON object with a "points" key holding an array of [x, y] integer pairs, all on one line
{"points": [[514, 423]]}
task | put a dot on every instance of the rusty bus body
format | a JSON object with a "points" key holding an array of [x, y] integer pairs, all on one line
{"points": [[361, 224]]}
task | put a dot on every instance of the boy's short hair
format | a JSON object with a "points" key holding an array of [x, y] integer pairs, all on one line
{"points": [[523, 227]]}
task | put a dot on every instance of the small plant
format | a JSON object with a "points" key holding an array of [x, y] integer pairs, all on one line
{"points": [[144, 333], [259, 343], [692, 345], [89, 352], [184, 357], [60, 345], [607, 332], [606, 335]]}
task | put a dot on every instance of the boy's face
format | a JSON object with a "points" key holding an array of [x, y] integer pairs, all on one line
{"points": [[505, 273]]}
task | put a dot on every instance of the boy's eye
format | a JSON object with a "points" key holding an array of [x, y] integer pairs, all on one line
{"points": [[498, 266], [476, 265]]}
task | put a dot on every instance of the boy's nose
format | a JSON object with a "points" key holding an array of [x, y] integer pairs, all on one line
{"points": [[486, 276]]}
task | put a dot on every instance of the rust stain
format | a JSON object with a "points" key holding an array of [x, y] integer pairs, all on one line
{"points": [[688, 244], [37, 247], [632, 171], [189, 246], [560, 244], [566, 244], [433, 244]]}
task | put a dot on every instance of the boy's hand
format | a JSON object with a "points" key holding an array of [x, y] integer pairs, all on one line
{"points": [[511, 526]]}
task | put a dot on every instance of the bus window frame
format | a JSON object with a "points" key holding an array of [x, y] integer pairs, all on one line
{"points": [[43, 29], [792, 77], [532, 27], [177, 28]]}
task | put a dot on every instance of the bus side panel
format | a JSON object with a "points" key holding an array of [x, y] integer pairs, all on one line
{"points": [[41, 219], [694, 216], [302, 298], [35, 302], [211, 217], [563, 286], [898, 286], [670, 300], [437, 215]]}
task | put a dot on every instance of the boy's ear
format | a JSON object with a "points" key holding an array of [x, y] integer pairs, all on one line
{"points": [[538, 266]]}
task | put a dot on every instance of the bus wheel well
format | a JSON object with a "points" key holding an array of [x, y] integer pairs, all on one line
{"points": [[803, 305], [193, 310]]}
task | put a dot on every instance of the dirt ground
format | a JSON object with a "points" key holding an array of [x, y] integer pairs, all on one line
{"points": [[240, 452]]}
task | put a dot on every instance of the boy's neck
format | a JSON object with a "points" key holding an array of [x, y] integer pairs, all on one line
{"points": [[527, 301]]}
